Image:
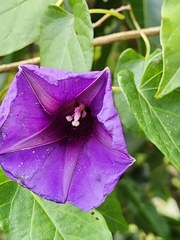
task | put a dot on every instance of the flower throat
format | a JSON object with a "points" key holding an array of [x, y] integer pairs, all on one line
{"points": [[80, 123]]}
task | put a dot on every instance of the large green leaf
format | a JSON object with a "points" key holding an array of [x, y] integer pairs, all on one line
{"points": [[66, 39], [129, 59], [159, 119], [170, 35], [111, 210], [20, 23], [135, 62], [24, 215]]}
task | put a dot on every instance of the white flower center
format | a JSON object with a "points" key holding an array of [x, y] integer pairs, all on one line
{"points": [[79, 112]]}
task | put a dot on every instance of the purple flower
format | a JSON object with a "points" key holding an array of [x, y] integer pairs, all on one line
{"points": [[61, 137]]}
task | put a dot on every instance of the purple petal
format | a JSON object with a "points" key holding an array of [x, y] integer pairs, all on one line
{"points": [[62, 86], [102, 106], [21, 114], [47, 170], [49, 104], [81, 173], [37, 149], [98, 171], [40, 169], [42, 89]]}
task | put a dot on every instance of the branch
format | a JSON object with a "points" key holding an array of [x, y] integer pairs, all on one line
{"points": [[14, 66], [99, 41], [122, 36]]}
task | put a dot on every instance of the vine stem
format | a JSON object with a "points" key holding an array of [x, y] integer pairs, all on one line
{"points": [[99, 41], [59, 2], [106, 16], [110, 12], [144, 37], [116, 89]]}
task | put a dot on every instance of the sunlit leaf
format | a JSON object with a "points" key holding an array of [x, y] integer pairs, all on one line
{"points": [[159, 119], [66, 39], [133, 61], [170, 35], [20, 23], [24, 215]]}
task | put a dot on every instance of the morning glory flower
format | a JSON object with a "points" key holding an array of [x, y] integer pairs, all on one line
{"points": [[61, 136]]}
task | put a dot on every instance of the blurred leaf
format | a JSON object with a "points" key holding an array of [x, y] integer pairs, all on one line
{"points": [[111, 211], [144, 10], [133, 61], [128, 59], [8, 81], [24, 215], [20, 23], [159, 178], [138, 9], [159, 119], [175, 224], [145, 213], [2, 236], [170, 35], [5, 78], [66, 39], [159, 182], [152, 10]]}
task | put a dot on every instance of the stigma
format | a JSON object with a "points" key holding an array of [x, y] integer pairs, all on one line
{"points": [[79, 112]]}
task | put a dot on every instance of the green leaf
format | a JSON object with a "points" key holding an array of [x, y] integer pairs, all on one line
{"points": [[24, 215], [141, 208], [111, 210], [159, 119], [170, 35], [66, 39], [144, 10], [152, 8], [133, 61], [20, 23]]}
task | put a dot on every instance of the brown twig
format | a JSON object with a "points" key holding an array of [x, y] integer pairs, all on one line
{"points": [[14, 66], [122, 36], [99, 41]]}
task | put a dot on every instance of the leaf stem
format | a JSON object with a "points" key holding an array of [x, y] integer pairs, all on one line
{"points": [[116, 89], [106, 16], [59, 3], [111, 12], [144, 37]]}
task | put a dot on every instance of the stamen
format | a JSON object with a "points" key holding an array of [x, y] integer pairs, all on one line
{"points": [[69, 118], [84, 114], [78, 113]]}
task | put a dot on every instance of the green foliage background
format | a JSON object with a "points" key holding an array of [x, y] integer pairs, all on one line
{"points": [[145, 203]]}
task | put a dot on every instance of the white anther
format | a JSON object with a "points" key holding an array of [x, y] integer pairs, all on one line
{"points": [[75, 123], [69, 118]]}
